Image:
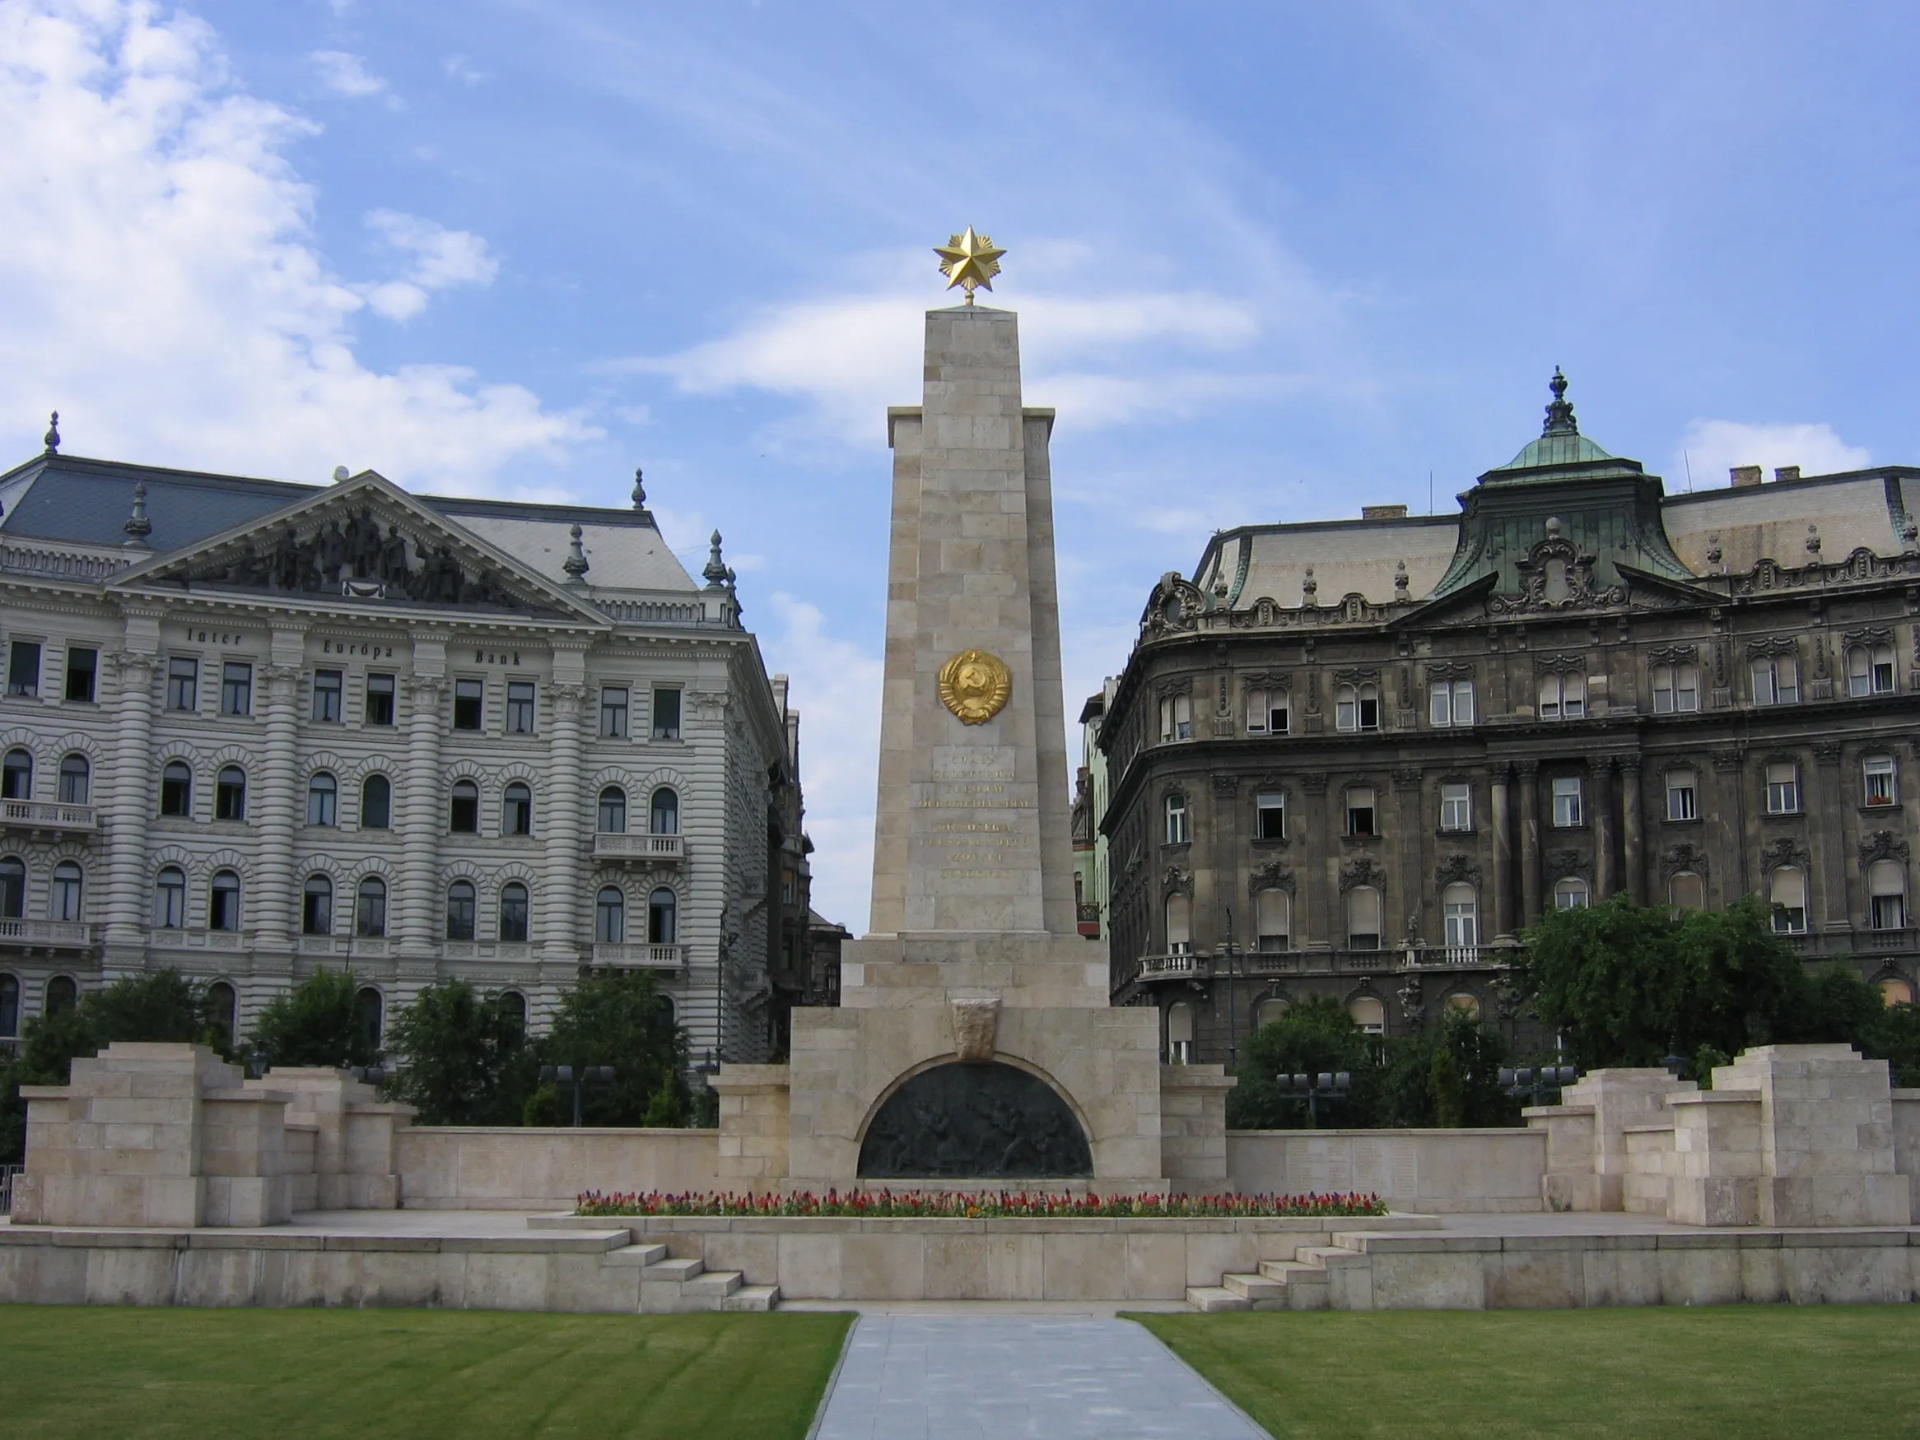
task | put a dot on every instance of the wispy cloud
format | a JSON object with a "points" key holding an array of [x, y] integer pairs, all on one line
{"points": [[346, 74], [462, 69], [1710, 448], [442, 258]]}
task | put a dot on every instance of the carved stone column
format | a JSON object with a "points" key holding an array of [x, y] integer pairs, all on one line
{"points": [[1411, 823], [1528, 838], [1633, 830], [1502, 850], [1827, 795], [422, 819], [271, 908], [562, 906], [1315, 883], [1605, 880], [134, 802]]}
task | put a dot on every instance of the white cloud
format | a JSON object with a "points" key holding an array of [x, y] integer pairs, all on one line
{"points": [[169, 298], [462, 68], [441, 258], [836, 688], [1710, 448], [346, 74]]}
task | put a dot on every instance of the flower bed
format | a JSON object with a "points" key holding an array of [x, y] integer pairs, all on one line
{"points": [[987, 1205]]}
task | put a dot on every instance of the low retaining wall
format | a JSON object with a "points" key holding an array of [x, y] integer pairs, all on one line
{"points": [[1434, 1172], [460, 1167]]}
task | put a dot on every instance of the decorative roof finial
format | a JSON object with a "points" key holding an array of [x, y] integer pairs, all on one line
{"points": [[53, 434], [969, 260], [1560, 413], [576, 563], [138, 526], [717, 574], [639, 490]]}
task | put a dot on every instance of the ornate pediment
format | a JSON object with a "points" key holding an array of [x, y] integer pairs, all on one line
{"points": [[363, 540]]}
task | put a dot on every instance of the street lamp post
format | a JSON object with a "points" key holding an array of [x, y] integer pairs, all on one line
{"points": [[1315, 1088], [1525, 1081], [577, 1079], [1233, 1030]]}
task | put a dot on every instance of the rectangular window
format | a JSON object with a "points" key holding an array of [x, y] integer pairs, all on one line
{"points": [[666, 713], [83, 672], [613, 711], [1176, 717], [380, 696], [520, 706], [1776, 681], [236, 688], [1676, 689], [1270, 816], [183, 684], [1563, 697], [1682, 800], [467, 707], [1360, 812], [23, 668], [1450, 703], [1456, 806], [1267, 712], [1879, 778], [1870, 670], [328, 685], [1783, 788], [1566, 800]]}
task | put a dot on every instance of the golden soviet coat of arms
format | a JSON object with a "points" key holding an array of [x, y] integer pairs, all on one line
{"points": [[974, 686]]}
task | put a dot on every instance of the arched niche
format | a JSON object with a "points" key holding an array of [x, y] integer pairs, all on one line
{"points": [[968, 1121]]}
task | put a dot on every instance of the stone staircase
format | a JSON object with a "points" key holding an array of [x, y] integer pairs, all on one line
{"points": [[1302, 1283], [685, 1287]]}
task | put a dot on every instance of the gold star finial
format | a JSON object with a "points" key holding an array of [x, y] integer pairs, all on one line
{"points": [[969, 260]]}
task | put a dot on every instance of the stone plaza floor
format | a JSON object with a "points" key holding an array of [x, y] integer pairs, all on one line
{"points": [[954, 1377]]}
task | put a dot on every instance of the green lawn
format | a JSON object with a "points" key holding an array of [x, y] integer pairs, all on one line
{"points": [[1695, 1374], [269, 1374]]}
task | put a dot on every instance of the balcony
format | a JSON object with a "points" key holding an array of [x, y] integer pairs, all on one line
{"points": [[45, 935], [1174, 967], [49, 818], [639, 957], [639, 849]]}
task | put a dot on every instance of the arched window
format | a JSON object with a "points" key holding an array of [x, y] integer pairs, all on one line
{"points": [[516, 810], [76, 777], [515, 1004], [1356, 707], [669, 1017], [1563, 697], [1176, 814], [1180, 1033], [64, 902], [1273, 919], [1460, 911], [1450, 704], [368, 1016], [223, 901], [663, 917], [1571, 893], [1368, 1013], [221, 1006], [1461, 1003], [613, 811], [9, 1006], [1676, 689], [376, 803], [610, 916], [316, 906], [13, 888], [664, 817], [1266, 1011], [169, 899], [16, 776], [1179, 925], [513, 912], [464, 817], [1788, 893], [1870, 670], [370, 908], [460, 907], [230, 794], [63, 993], [1893, 991], [323, 799], [1687, 891], [1363, 918], [176, 789], [1887, 887]]}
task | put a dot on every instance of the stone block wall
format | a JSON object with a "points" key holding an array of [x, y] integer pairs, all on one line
{"points": [[1193, 1127]]}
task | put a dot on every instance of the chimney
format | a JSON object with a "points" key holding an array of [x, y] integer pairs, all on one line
{"points": [[1745, 475], [1383, 512], [1786, 472]]}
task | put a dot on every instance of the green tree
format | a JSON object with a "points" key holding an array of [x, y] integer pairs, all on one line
{"points": [[316, 1024], [465, 1053], [1741, 983], [1449, 1089], [617, 1018], [1315, 1036], [1411, 1092], [1894, 1037]]}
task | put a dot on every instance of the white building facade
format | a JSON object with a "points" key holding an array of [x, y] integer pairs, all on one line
{"points": [[252, 728]]}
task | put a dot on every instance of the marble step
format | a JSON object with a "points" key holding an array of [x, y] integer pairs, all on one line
{"points": [[1210, 1299], [641, 1255], [1258, 1290], [674, 1270], [752, 1297], [712, 1284], [1302, 1286], [1329, 1256]]}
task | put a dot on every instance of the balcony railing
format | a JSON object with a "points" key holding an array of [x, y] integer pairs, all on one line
{"points": [[46, 815], [46, 934], [644, 957], [640, 849]]}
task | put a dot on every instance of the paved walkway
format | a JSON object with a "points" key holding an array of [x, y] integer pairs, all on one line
{"points": [[922, 1377]]}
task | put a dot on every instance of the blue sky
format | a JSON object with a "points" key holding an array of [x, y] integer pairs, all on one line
{"points": [[1272, 261]]}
